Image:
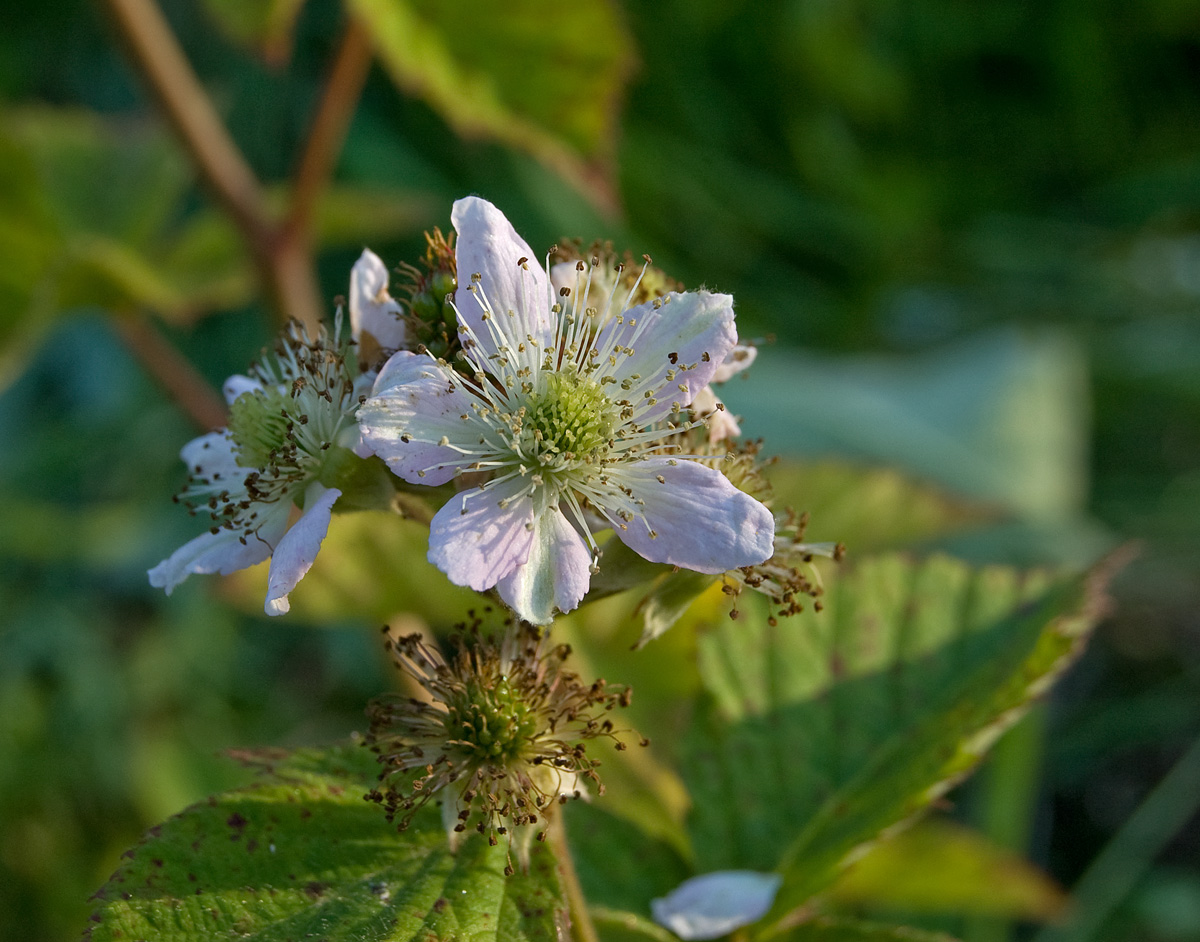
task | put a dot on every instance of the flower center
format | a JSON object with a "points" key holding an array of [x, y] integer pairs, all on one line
{"points": [[261, 424], [492, 722], [569, 418]]}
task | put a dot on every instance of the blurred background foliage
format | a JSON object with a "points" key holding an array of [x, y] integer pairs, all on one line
{"points": [[973, 231]]}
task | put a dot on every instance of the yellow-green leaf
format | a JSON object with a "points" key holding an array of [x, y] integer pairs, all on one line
{"points": [[540, 75], [960, 871]]}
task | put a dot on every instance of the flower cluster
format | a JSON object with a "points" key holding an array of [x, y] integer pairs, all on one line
{"points": [[556, 411], [502, 730], [291, 428], [553, 423]]}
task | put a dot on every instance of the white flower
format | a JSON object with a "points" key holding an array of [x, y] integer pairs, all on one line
{"points": [[561, 408], [376, 318], [290, 423], [714, 904], [721, 424]]}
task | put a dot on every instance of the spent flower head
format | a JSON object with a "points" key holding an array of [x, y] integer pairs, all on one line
{"points": [[553, 423], [500, 733], [288, 446]]}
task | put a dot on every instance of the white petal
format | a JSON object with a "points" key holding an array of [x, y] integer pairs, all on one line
{"points": [[238, 384], [221, 552], [212, 457], [372, 309], [555, 576], [713, 905], [417, 398], [489, 246], [296, 551], [475, 541], [690, 334], [701, 521], [721, 424], [740, 358]]}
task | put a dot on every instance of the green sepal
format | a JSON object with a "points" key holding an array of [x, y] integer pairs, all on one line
{"points": [[365, 483]]}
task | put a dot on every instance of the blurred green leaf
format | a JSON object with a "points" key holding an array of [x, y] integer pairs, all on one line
{"points": [[372, 567], [300, 854], [872, 509], [69, 243], [1001, 418], [960, 871], [851, 720], [539, 75], [264, 25], [825, 929]]}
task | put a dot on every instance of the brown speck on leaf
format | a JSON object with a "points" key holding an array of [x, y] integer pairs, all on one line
{"points": [[251, 846], [315, 890], [157, 861], [305, 813], [440, 904], [236, 821]]}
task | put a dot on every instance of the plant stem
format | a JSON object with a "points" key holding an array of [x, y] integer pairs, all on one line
{"points": [[327, 134], [157, 55], [581, 921], [282, 256], [172, 371]]}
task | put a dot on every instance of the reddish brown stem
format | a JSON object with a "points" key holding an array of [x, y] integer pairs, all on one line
{"points": [[157, 55], [172, 371], [347, 76]]}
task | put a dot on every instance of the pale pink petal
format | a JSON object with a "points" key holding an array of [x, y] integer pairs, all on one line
{"points": [[418, 399], [700, 520], [295, 552], [555, 576], [372, 309], [740, 358], [687, 334], [721, 424], [519, 295], [222, 552], [715, 904], [475, 541]]}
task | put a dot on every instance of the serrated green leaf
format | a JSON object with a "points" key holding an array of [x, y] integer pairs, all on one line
{"points": [[824, 929], [301, 855], [837, 725], [539, 75], [960, 872]]}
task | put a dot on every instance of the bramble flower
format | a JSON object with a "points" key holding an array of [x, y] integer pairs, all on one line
{"points": [[376, 318], [557, 417], [608, 277], [287, 445], [501, 738]]}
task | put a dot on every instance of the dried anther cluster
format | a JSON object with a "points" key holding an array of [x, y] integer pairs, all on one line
{"points": [[501, 735]]}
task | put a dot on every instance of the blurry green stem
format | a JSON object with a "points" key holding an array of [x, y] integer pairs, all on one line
{"points": [[1132, 850], [1007, 792], [172, 371], [582, 928]]}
